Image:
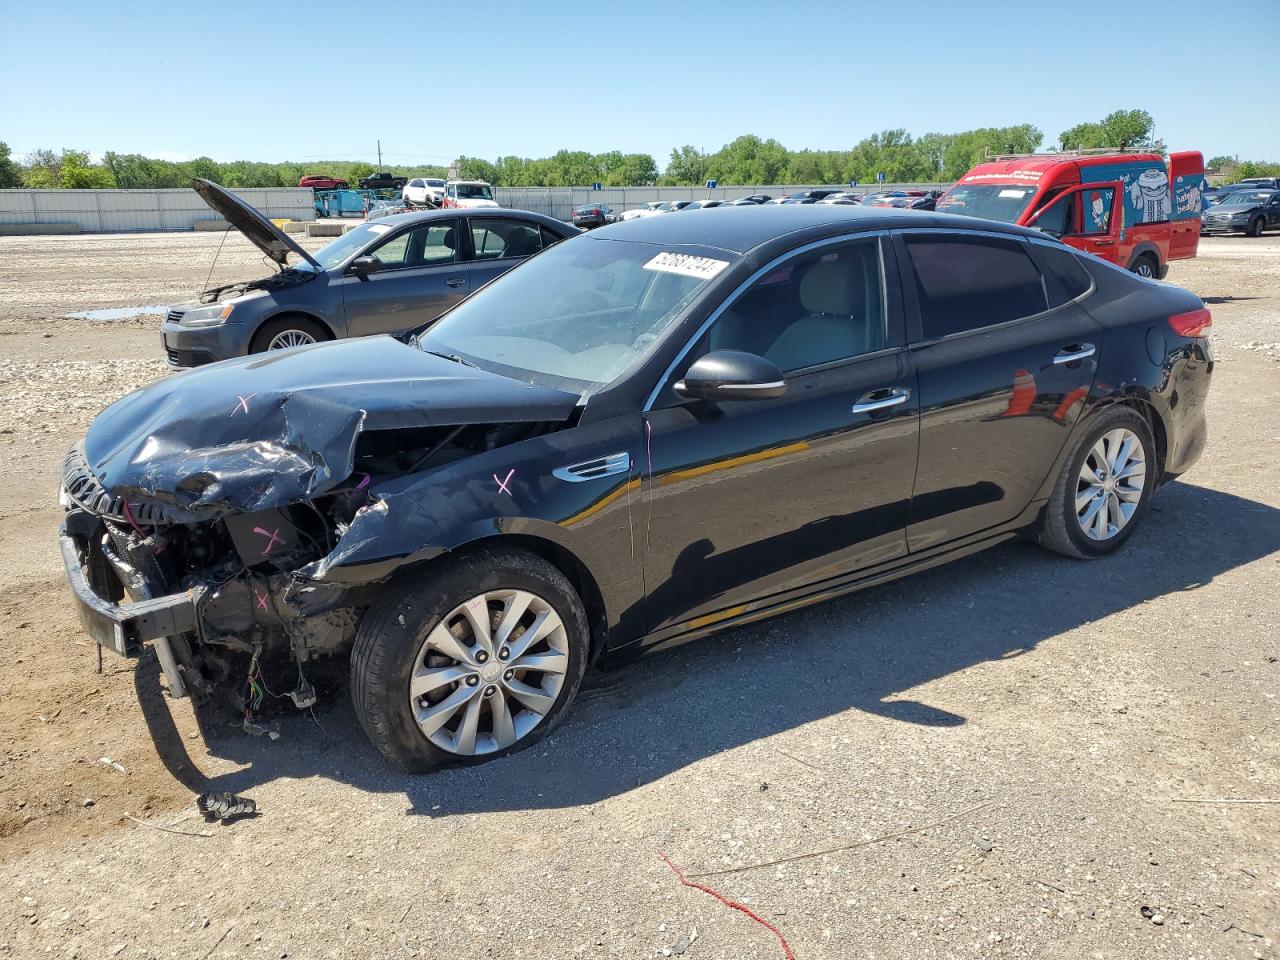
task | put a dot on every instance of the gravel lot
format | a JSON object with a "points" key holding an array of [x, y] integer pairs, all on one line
{"points": [[1037, 724]]}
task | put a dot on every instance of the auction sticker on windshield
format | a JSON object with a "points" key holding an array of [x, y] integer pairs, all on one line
{"points": [[686, 264]]}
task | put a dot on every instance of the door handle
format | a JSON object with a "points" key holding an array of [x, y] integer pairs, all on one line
{"points": [[1104, 243], [454, 282], [881, 399], [1074, 352]]}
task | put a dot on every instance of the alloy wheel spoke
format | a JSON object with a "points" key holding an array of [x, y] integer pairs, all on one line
{"points": [[1129, 494], [504, 727], [546, 622], [434, 717], [1122, 454], [511, 616], [532, 697], [1086, 496], [1096, 503], [426, 679], [553, 661], [443, 640], [476, 612], [1089, 475], [1100, 519], [465, 740]]}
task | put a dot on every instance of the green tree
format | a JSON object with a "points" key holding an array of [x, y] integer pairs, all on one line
{"points": [[1119, 130], [687, 165], [10, 176], [42, 170]]}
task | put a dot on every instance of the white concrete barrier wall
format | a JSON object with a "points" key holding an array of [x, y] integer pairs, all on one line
{"points": [[113, 211]]}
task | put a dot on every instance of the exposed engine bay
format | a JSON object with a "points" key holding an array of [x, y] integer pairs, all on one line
{"points": [[252, 574], [288, 277]]}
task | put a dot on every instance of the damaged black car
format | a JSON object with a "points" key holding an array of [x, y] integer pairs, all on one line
{"points": [[668, 427]]}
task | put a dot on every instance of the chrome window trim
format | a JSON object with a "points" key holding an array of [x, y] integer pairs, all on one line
{"points": [[742, 287]]}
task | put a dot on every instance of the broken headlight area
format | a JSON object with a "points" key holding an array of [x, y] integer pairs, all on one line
{"points": [[240, 570]]}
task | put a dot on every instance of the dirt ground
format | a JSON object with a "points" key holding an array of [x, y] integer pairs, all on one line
{"points": [[1012, 751]]}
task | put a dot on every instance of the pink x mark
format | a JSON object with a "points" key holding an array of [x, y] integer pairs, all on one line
{"points": [[242, 403], [262, 600], [273, 537], [502, 484]]}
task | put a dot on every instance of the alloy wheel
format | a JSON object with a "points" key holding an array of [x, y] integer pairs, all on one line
{"points": [[1144, 268], [290, 338], [1110, 484], [489, 672]]}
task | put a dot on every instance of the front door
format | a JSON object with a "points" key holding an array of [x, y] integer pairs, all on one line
{"points": [[1087, 217], [1005, 360], [420, 275], [750, 499], [1186, 179]]}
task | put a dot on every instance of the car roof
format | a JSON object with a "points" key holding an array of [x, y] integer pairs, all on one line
{"points": [[423, 216], [739, 231]]}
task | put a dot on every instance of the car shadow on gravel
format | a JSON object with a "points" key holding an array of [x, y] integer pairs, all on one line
{"points": [[641, 722]]}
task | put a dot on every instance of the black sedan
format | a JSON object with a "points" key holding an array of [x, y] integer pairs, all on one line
{"points": [[591, 215], [384, 276], [1245, 211], [667, 427]]}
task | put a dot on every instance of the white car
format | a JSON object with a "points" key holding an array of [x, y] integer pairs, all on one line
{"points": [[648, 210], [424, 190], [468, 195]]}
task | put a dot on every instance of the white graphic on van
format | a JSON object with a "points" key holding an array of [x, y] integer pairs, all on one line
{"points": [[1149, 194]]}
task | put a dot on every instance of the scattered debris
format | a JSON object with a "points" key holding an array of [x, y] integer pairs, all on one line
{"points": [[156, 826], [734, 904], [254, 730], [846, 846], [108, 762], [1224, 800], [1147, 912], [225, 806], [217, 943]]}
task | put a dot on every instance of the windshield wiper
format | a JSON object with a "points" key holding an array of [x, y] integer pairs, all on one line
{"points": [[451, 356]]}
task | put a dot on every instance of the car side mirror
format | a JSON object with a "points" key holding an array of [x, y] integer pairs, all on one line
{"points": [[732, 375], [363, 266]]}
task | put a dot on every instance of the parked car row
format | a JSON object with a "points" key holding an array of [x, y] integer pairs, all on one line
{"points": [[910, 200], [1249, 211]]}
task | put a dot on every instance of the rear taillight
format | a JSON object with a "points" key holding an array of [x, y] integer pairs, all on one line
{"points": [[1193, 323]]}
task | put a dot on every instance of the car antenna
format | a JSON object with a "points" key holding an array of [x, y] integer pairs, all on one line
{"points": [[216, 254]]}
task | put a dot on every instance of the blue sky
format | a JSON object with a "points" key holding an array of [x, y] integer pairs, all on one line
{"points": [[269, 81]]}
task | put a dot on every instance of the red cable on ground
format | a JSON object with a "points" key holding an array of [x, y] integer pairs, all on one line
{"points": [[786, 947]]}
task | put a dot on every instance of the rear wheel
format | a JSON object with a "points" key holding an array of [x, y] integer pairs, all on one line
{"points": [[1256, 227], [1145, 266], [1104, 488], [478, 657], [285, 332]]}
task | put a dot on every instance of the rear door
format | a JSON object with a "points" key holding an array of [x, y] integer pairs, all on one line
{"points": [[1002, 375], [421, 275], [496, 244], [1186, 176]]}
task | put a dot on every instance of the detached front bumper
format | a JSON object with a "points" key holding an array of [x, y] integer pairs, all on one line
{"points": [[124, 628]]}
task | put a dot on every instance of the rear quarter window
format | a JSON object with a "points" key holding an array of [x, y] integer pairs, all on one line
{"points": [[1070, 279]]}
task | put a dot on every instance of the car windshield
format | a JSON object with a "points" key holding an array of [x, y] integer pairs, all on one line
{"points": [[1246, 197], [435, 183], [988, 201], [474, 191], [577, 315], [333, 254]]}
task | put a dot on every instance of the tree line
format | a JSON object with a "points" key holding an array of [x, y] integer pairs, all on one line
{"points": [[749, 159]]}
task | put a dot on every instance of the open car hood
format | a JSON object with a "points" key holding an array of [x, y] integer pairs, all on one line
{"points": [[262, 233], [278, 428]]}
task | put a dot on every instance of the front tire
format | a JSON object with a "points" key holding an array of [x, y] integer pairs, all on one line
{"points": [[285, 332], [1256, 227], [1104, 488], [477, 657]]}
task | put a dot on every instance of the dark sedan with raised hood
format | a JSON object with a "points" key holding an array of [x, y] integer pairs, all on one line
{"points": [[385, 276], [1245, 211], [667, 427]]}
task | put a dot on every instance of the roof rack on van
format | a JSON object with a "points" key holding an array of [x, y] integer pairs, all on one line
{"points": [[1086, 152]]}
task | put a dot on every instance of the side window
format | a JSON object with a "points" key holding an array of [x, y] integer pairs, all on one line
{"points": [[549, 239], [439, 243], [817, 308], [423, 246], [493, 239], [967, 282], [1057, 216], [1073, 279], [1097, 211]]}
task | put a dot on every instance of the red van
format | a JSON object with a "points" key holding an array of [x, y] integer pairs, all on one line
{"points": [[1136, 210]]}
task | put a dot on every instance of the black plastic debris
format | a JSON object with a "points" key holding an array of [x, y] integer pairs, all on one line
{"points": [[225, 806]]}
